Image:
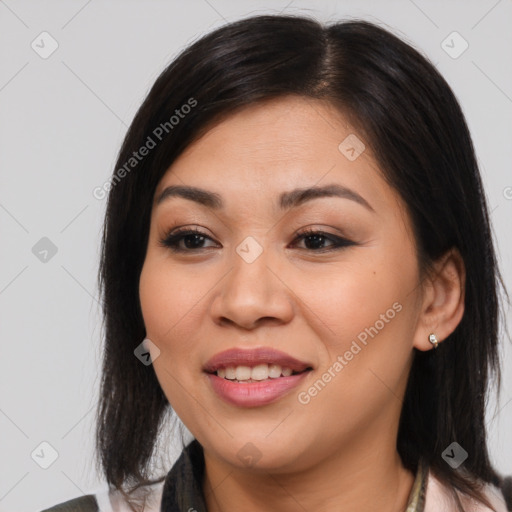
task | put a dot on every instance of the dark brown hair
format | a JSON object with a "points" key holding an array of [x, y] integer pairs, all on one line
{"points": [[409, 117]]}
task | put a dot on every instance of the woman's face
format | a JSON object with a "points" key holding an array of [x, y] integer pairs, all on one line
{"points": [[345, 303]]}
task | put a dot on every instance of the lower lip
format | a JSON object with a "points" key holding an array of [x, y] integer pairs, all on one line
{"points": [[254, 394]]}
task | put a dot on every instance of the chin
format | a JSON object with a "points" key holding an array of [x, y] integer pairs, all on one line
{"points": [[254, 450]]}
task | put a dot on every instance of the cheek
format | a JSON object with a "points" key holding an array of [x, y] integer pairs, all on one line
{"points": [[353, 297], [365, 353], [170, 302], [366, 313]]}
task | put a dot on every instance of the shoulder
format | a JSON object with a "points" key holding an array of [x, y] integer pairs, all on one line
{"points": [[438, 498], [112, 500], [85, 503]]}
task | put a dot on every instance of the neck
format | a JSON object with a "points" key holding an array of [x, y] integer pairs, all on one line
{"points": [[362, 476]]}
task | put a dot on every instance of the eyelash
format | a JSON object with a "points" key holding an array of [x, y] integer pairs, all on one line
{"points": [[171, 240]]}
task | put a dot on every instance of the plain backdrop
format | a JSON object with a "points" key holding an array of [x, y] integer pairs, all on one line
{"points": [[63, 117]]}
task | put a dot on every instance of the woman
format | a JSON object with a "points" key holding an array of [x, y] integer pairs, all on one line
{"points": [[297, 239]]}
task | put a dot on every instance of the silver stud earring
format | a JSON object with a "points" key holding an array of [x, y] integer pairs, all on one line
{"points": [[432, 338]]}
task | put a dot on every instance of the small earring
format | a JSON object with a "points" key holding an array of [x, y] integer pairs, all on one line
{"points": [[432, 338]]}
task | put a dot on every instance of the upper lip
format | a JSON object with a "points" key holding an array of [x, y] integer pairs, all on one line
{"points": [[253, 357]]}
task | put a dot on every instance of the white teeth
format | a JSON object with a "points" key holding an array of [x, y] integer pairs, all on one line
{"points": [[256, 373], [243, 373], [274, 371], [259, 372], [230, 373]]}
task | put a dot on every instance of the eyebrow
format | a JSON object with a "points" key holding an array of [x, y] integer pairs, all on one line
{"points": [[287, 200]]}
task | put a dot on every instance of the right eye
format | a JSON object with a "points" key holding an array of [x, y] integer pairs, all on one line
{"points": [[193, 239]]}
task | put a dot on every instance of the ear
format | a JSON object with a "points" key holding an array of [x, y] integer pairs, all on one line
{"points": [[443, 300]]}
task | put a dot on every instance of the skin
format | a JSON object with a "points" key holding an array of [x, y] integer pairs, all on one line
{"points": [[340, 448]]}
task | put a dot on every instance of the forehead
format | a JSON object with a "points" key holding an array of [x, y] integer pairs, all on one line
{"points": [[272, 146], [286, 127]]}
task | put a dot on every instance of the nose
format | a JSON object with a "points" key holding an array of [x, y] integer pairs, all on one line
{"points": [[252, 293]]}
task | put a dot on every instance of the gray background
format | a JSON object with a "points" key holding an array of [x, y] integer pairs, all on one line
{"points": [[62, 121]]}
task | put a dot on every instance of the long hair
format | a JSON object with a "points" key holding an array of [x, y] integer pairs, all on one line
{"points": [[414, 125]]}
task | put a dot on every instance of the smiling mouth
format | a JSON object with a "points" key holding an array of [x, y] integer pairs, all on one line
{"points": [[257, 373]]}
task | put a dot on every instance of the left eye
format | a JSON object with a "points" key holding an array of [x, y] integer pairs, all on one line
{"points": [[318, 237], [193, 239]]}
